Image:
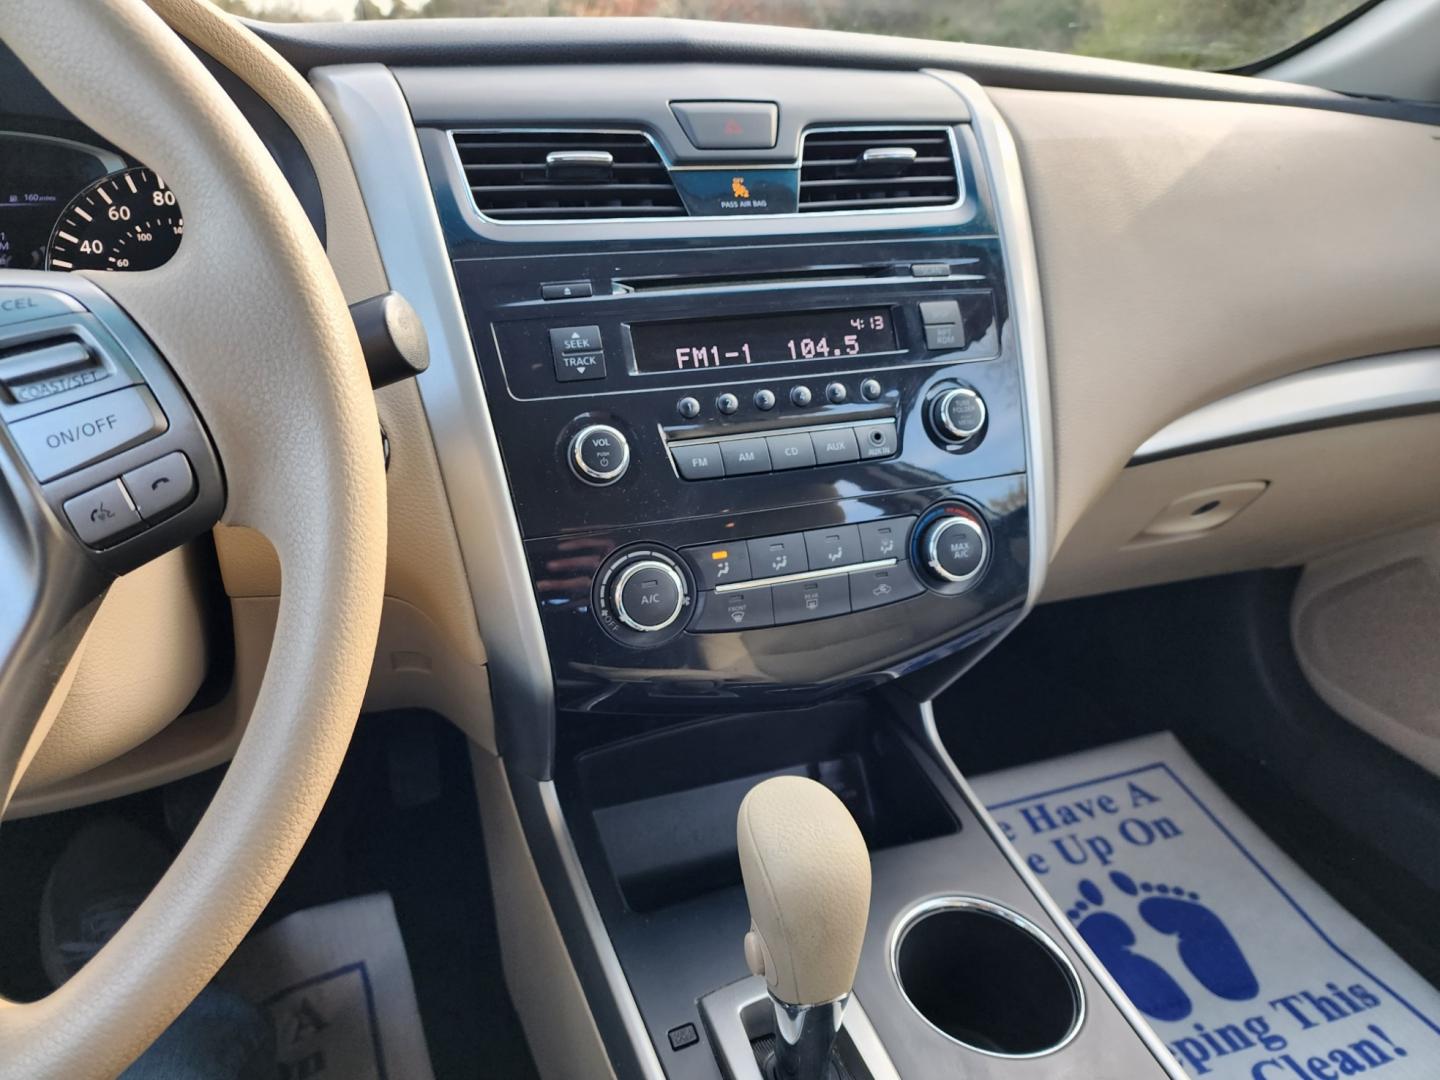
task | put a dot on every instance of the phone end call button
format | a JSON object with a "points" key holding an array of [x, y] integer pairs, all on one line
{"points": [[162, 486]]}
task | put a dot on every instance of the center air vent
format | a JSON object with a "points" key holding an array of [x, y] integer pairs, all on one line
{"points": [[566, 175], [877, 169]]}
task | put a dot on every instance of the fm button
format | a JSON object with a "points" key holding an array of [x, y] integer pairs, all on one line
{"points": [[599, 454]]}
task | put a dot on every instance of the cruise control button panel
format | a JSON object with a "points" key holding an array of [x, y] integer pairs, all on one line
{"points": [[96, 417], [65, 439]]}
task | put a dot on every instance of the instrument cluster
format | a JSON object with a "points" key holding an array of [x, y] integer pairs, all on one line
{"points": [[65, 205]]}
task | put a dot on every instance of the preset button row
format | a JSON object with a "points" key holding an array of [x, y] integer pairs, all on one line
{"points": [[780, 453]]}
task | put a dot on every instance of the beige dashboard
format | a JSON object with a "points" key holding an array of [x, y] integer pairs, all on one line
{"points": [[1187, 250]]}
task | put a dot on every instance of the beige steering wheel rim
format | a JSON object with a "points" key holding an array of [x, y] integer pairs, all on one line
{"points": [[251, 319]]}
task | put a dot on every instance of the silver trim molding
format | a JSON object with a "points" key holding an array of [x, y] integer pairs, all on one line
{"points": [[785, 579], [1348, 392], [1001, 160], [1058, 918], [729, 167], [375, 123]]}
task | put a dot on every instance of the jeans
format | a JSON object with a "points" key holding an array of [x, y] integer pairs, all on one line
{"points": [[221, 1036]]}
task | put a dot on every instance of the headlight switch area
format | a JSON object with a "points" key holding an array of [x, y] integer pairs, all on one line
{"points": [[101, 423]]}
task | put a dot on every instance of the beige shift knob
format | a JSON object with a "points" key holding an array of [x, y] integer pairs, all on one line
{"points": [[807, 879]]}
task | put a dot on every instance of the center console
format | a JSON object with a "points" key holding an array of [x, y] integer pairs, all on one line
{"points": [[738, 389], [748, 467]]}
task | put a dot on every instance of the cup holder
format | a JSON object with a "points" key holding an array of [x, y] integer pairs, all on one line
{"points": [[987, 978]]}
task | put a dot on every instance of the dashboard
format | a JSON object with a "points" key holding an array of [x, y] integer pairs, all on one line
{"points": [[66, 205]]}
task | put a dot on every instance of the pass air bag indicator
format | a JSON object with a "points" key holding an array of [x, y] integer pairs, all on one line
{"points": [[737, 192]]}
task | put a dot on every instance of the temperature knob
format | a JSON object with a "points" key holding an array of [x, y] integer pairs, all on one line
{"points": [[955, 547], [958, 414], [599, 454], [647, 595]]}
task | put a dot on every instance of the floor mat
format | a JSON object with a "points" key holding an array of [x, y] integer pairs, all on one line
{"points": [[335, 982], [1244, 966]]}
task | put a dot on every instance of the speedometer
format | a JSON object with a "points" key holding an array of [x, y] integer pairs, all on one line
{"points": [[126, 221]]}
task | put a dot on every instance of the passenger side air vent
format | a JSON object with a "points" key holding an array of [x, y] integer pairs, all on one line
{"points": [[877, 169], [566, 175]]}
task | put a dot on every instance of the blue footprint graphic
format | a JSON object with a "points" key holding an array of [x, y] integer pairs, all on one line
{"points": [[1146, 983], [1207, 947]]}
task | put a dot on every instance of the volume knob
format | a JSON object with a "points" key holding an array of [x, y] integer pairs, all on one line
{"points": [[647, 595], [599, 454]]}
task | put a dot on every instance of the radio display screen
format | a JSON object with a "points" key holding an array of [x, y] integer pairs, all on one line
{"points": [[762, 339]]}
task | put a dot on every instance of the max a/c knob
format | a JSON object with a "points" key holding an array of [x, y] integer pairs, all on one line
{"points": [[958, 414], [648, 595], [954, 548], [599, 454]]}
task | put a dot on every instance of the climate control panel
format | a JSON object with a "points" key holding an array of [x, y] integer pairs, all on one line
{"points": [[759, 468]]}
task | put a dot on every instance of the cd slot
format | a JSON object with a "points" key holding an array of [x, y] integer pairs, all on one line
{"points": [[813, 275]]}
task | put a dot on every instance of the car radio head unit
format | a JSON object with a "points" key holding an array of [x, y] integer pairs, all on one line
{"points": [[738, 341]]}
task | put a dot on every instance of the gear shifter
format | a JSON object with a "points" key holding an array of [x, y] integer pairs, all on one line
{"points": [[807, 880]]}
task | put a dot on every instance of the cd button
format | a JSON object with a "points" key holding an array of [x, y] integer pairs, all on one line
{"points": [[565, 290], [741, 610], [836, 546], [699, 461], [834, 445], [791, 451], [719, 564], [745, 456], [818, 598], [772, 556]]}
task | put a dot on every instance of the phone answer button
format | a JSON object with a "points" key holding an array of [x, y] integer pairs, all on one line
{"points": [[161, 487]]}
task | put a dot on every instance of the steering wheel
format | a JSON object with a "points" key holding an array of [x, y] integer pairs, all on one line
{"points": [[244, 342]]}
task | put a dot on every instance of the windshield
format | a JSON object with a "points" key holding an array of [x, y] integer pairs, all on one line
{"points": [[1213, 34]]}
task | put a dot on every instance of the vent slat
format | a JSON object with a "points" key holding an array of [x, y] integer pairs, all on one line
{"points": [[509, 179], [833, 177]]}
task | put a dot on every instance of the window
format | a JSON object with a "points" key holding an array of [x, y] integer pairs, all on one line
{"points": [[1213, 34]]}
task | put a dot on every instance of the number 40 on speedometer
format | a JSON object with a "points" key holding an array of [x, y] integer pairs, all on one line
{"points": [[128, 220]]}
